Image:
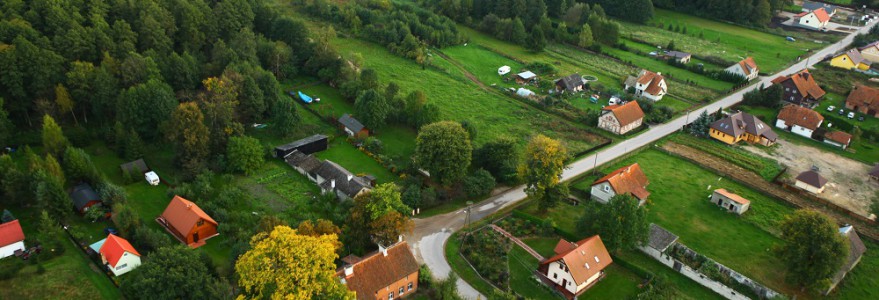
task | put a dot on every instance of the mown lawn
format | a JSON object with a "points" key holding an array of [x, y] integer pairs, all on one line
{"points": [[483, 63], [667, 70], [522, 278], [687, 288], [861, 282], [679, 203], [727, 41], [355, 161]]}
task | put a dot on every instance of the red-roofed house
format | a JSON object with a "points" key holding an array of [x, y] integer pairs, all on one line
{"points": [[815, 20], [800, 88], [119, 256], [576, 266], [747, 68], [11, 238], [389, 273], [799, 120], [628, 180], [648, 85], [187, 222], [620, 119], [729, 201], [863, 99], [838, 138]]}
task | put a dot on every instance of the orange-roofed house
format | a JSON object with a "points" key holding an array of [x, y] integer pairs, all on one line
{"points": [[730, 201], [838, 138], [389, 273], [11, 238], [799, 120], [187, 222], [118, 254], [620, 119], [628, 180], [815, 20], [746, 68], [576, 267], [648, 85], [800, 89], [863, 99]]}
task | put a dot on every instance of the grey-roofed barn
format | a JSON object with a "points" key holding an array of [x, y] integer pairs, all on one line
{"points": [[351, 126], [309, 145]]}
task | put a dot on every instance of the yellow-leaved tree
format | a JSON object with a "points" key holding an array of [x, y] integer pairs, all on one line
{"points": [[284, 264], [542, 169]]}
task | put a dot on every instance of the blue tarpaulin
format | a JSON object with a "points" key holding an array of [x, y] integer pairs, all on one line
{"points": [[305, 98]]}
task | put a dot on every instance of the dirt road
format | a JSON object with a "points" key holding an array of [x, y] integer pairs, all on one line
{"points": [[848, 184]]}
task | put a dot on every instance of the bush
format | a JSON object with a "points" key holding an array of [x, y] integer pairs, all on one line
{"points": [[373, 145], [487, 251], [479, 183]]}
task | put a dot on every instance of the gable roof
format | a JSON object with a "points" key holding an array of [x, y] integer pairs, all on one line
{"points": [[331, 171], [138, 165], [811, 5], [659, 238], [628, 179], [855, 56], [588, 258], [874, 45], [10, 232], [839, 137], [748, 66], [308, 163], [570, 82], [302, 142], [731, 196], [376, 271], [804, 82], [856, 249], [821, 14], [182, 215], [742, 122], [526, 75], [627, 113], [114, 248], [564, 246], [678, 54], [652, 80], [812, 178], [82, 194], [351, 123], [793, 114], [863, 96]]}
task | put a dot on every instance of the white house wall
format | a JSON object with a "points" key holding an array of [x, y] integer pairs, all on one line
{"points": [[599, 194], [609, 122], [556, 268], [808, 187], [802, 131], [125, 264], [9, 250], [781, 124]]}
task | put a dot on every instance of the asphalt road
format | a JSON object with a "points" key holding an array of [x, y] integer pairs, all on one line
{"points": [[430, 234]]}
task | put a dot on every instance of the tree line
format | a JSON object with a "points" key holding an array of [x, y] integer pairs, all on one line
{"points": [[752, 12]]}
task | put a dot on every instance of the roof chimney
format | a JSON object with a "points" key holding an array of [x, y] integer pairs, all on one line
{"points": [[350, 176], [349, 270], [332, 183], [383, 250], [659, 73]]}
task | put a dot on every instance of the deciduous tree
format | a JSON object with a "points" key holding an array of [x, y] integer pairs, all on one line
{"points": [[621, 223], [542, 167], [172, 273], [378, 216], [6, 127], [188, 133], [585, 39], [284, 264], [64, 102], [78, 166], [244, 154], [54, 141], [372, 108], [144, 107], [813, 249], [444, 150]]}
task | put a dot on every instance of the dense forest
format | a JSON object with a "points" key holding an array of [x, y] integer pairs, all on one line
{"points": [[754, 12]]}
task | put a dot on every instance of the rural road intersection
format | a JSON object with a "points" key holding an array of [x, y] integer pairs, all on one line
{"points": [[430, 234]]}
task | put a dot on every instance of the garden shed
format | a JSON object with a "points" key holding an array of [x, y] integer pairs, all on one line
{"points": [[730, 201]]}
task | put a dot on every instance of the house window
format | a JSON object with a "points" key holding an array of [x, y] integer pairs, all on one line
{"points": [[200, 222], [409, 288], [401, 292], [122, 266], [391, 296], [555, 275], [787, 89], [607, 188]]}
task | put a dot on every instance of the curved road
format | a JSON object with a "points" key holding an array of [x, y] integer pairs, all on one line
{"points": [[430, 234]]}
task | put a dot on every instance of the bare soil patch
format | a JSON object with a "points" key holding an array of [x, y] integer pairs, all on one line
{"points": [[848, 184]]}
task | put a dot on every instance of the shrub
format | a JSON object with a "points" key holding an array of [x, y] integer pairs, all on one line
{"points": [[479, 183]]}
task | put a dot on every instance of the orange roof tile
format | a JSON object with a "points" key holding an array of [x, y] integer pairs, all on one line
{"points": [[839, 137], [628, 179], [377, 271], [821, 14], [804, 83], [183, 214], [793, 114], [652, 81], [588, 258], [10, 233], [748, 65], [627, 113], [114, 248], [733, 197], [863, 96]]}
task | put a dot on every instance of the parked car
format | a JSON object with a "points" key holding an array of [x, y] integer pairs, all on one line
{"points": [[790, 39], [861, 118], [841, 112], [851, 115], [831, 108]]}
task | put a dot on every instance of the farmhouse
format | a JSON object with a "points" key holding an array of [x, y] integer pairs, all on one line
{"points": [[799, 120], [800, 89], [815, 20], [742, 126], [11, 238], [864, 100], [730, 201], [809, 6], [628, 180], [309, 145], [648, 85], [576, 267], [621, 119], [870, 51], [838, 138], [388, 273], [525, 77], [84, 197], [680, 57], [352, 127], [187, 222], [746, 68], [811, 181], [851, 60], [572, 83], [118, 255], [874, 172], [855, 252]]}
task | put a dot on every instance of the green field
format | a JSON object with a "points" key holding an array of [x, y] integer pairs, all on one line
{"points": [[726, 41], [667, 70], [484, 64]]}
